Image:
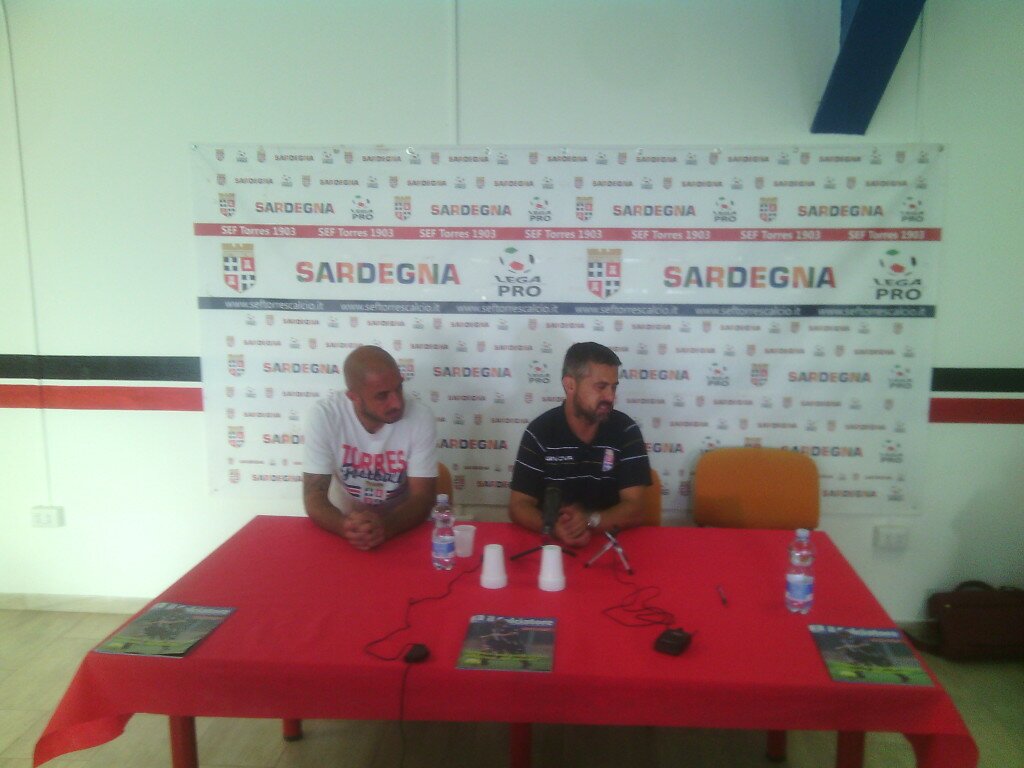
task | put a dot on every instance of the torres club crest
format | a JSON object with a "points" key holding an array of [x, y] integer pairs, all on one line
{"points": [[239, 266], [403, 207], [584, 208], [227, 203], [604, 271], [236, 365]]}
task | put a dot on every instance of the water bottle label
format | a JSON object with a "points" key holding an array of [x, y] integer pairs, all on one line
{"points": [[799, 587], [443, 548]]}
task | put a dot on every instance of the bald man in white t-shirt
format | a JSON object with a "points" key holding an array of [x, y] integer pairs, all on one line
{"points": [[370, 468]]}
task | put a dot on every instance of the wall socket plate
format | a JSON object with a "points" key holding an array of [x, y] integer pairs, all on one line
{"points": [[892, 538], [47, 517]]}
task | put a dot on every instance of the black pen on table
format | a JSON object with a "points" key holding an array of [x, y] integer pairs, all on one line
{"points": [[721, 594]]}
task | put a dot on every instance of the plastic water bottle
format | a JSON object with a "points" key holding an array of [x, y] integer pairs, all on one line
{"points": [[800, 573], [442, 542]]}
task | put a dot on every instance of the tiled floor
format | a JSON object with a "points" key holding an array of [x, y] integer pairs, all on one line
{"points": [[40, 650]]}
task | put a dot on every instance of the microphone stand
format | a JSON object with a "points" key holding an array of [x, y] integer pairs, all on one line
{"points": [[613, 543], [549, 508], [545, 538]]}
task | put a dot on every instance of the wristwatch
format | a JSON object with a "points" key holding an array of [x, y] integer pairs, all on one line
{"points": [[593, 520]]}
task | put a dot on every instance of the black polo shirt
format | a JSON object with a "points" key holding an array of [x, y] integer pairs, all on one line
{"points": [[589, 474]]}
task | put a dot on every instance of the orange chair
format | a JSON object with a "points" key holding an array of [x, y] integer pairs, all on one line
{"points": [[444, 482], [292, 729], [652, 500], [757, 488]]}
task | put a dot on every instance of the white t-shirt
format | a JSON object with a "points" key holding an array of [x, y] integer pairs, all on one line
{"points": [[371, 468]]}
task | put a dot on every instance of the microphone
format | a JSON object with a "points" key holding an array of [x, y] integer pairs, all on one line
{"points": [[550, 508]]}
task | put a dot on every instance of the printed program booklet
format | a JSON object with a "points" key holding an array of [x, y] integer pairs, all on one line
{"points": [[166, 629], [861, 655], [508, 643]]}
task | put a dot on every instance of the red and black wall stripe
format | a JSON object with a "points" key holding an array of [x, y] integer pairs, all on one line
{"points": [[80, 382]]}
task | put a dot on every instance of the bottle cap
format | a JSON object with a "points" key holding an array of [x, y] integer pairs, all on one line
{"points": [[803, 533], [442, 498]]}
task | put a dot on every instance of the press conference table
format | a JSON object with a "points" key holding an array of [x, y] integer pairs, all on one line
{"points": [[307, 604]]}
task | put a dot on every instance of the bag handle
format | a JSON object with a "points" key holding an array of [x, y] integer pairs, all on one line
{"points": [[975, 585]]}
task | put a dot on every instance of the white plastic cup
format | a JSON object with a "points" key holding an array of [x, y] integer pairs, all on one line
{"points": [[493, 575], [552, 573], [464, 535]]}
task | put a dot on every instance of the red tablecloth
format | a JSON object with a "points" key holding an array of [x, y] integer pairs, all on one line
{"points": [[307, 604]]}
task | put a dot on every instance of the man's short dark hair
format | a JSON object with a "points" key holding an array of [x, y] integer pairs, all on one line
{"points": [[579, 357]]}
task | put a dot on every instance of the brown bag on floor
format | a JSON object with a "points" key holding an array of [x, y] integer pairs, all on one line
{"points": [[977, 621]]}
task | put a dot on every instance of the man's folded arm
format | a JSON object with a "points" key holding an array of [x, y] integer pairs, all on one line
{"points": [[408, 513], [524, 510], [317, 505], [628, 513], [414, 509]]}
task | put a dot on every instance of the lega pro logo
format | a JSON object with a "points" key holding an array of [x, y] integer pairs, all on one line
{"points": [[539, 210], [538, 373], [362, 209], [517, 279], [724, 209], [899, 281]]}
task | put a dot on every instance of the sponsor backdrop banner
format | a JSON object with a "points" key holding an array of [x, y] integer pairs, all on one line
{"points": [[777, 296]]}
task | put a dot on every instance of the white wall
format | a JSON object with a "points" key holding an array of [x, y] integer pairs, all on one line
{"points": [[111, 93]]}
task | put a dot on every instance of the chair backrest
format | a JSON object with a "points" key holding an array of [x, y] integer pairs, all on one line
{"points": [[756, 488], [652, 500], [444, 482]]}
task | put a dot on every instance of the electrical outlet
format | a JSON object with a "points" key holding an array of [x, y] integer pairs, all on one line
{"points": [[47, 517], [892, 538]]}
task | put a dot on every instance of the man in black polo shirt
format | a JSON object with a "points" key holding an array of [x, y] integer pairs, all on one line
{"points": [[594, 454]]}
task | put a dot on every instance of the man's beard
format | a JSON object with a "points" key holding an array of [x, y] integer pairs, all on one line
{"points": [[593, 416], [389, 417]]}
